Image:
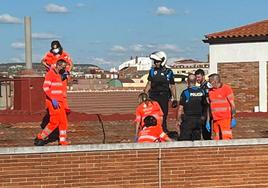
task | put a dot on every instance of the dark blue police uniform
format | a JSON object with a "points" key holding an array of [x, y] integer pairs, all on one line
{"points": [[193, 101], [160, 79], [205, 134]]}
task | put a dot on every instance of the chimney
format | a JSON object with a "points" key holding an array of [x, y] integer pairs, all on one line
{"points": [[136, 60], [28, 42]]}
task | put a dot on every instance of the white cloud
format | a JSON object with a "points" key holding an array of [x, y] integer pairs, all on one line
{"points": [[118, 49], [150, 46], [137, 47], [8, 19], [103, 62], [80, 5], [18, 45], [100, 61], [162, 10], [54, 8], [15, 60], [170, 47], [44, 36]]}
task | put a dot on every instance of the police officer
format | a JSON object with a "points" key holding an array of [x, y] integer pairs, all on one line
{"points": [[192, 102], [161, 85], [200, 79]]}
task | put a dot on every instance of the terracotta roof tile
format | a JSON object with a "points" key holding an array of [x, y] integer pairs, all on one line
{"points": [[256, 29]]}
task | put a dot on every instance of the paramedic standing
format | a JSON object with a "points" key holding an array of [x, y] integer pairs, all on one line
{"points": [[53, 89], [222, 108]]}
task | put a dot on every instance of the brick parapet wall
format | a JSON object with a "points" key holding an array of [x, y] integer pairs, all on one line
{"points": [[244, 79], [235, 163]]}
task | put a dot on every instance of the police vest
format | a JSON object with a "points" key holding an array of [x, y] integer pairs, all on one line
{"points": [[160, 79], [194, 101]]}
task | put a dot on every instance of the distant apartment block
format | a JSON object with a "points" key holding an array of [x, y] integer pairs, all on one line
{"points": [[187, 66]]}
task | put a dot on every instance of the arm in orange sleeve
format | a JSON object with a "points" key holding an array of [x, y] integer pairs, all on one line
{"points": [[138, 120], [47, 85], [230, 98], [68, 60], [164, 137], [47, 60]]}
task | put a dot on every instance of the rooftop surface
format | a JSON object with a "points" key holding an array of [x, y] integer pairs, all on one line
{"points": [[117, 128]]}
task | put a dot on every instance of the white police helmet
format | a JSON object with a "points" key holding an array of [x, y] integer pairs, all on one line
{"points": [[159, 56]]}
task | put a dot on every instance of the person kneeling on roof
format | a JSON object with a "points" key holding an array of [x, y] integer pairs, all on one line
{"points": [[152, 131]]}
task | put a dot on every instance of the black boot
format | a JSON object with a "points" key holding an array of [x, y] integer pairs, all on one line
{"points": [[39, 142]]}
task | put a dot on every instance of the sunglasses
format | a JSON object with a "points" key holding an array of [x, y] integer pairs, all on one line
{"points": [[157, 61]]}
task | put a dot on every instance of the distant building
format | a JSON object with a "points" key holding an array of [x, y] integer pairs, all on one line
{"points": [[240, 56], [93, 72], [135, 69], [183, 67], [140, 63]]}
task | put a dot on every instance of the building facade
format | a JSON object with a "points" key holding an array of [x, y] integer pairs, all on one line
{"points": [[240, 56]]}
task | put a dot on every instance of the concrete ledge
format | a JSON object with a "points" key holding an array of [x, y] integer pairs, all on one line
{"points": [[130, 146]]}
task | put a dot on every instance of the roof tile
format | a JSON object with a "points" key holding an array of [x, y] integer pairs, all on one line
{"points": [[256, 29]]}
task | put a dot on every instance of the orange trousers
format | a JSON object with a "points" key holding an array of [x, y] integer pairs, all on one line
{"points": [[222, 129], [57, 119]]}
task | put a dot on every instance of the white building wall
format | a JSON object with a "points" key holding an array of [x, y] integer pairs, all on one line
{"points": [[243, 52], [143, 63]]}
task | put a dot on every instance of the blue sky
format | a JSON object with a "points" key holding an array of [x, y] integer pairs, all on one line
{"points": [[108, 32]]}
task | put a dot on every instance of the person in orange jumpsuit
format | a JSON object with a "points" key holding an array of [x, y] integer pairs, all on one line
{"points": [[222, 108], [54, 91], [56, 53], [50, 59], [152, 131], [147, 107]]}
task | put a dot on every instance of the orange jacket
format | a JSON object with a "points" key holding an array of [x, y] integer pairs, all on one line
{"points": [[53, 86], [220, 102], [151, 108], [51, 59], [152, 134]]}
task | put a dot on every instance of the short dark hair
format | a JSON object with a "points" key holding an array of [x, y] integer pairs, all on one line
{"points": [[200, 71], [61, 61], [55, 42], [191, 78], [150, 121], [143, 96], [215, 76]]}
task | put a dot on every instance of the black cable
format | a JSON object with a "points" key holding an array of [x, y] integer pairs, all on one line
{"points": [[102, 126]]}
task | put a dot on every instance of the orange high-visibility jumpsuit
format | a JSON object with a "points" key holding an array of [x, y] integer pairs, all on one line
{"points": [[51, 60], [53, 89], [220, 99], [152, 134], [148, 108]]}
